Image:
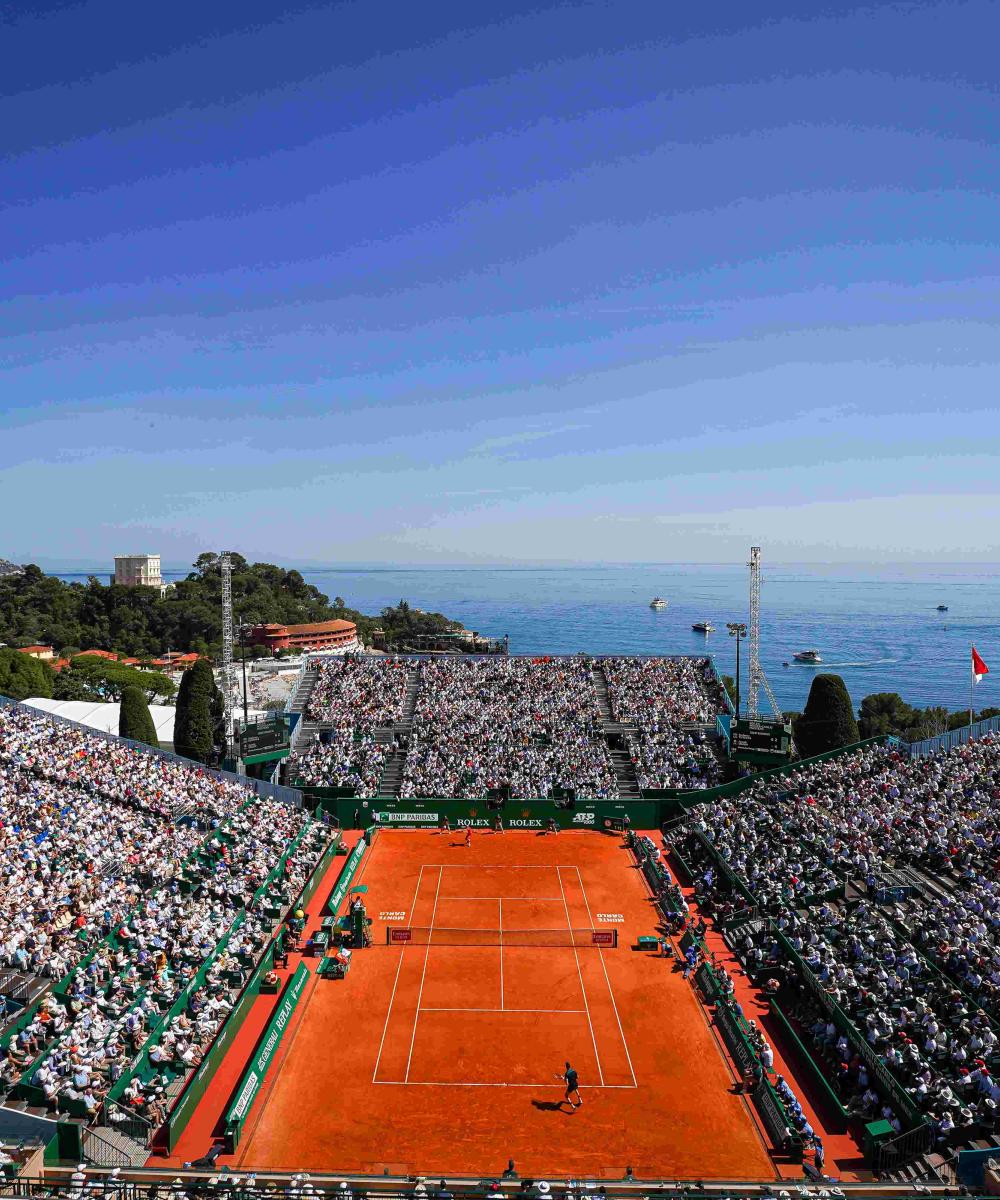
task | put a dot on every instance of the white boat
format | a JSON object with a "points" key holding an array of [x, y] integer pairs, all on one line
{"points": [[657, 602], [807, 656], [703, 627]]}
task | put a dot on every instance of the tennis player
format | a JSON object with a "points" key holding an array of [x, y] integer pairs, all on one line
{"points": [[569, 1076], [468, 835]]}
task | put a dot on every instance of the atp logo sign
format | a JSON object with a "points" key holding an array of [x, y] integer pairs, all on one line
{"points": [[583, 818]]}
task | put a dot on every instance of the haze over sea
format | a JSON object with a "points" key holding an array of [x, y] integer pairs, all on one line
{"points": [[876, 625]]}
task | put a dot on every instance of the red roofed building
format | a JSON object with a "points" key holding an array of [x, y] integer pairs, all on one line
{"points": [[320, 635], [98, 654], [43, 652]]}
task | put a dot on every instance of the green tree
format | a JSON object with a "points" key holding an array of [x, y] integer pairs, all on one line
{"points": [[885, 713], [22, 676], [729, 683], [828, 720], [73, 685], [108, 679], [198, 702], [134, 719]]}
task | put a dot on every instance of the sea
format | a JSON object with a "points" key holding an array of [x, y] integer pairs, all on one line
{"points": [[877, 626]]}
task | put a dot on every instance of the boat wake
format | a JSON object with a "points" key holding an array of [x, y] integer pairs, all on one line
{"points": [[871, 662]]}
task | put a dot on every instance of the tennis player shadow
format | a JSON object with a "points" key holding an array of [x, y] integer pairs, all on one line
{"points": [[562, 1106]]}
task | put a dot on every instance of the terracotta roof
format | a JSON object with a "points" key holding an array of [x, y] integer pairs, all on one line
{"points": [[337, 626], [98, 654], [31, 649]]}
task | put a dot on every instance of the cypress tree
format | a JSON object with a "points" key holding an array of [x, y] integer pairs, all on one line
{"points": [[134, 720], [194, 725], [828, 720]]}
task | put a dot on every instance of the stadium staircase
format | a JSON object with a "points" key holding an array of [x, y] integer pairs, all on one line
{"points": [[617, 734], [107, 1147], [401, 731]]}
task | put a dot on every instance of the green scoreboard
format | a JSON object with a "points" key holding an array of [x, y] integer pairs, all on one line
{"points": [[264, 740], [759, 741]]}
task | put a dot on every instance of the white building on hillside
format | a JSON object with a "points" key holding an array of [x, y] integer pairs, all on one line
{"points": [[138, 570]]}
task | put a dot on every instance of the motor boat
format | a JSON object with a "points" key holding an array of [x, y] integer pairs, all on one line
{"points": [[942, 608], [703, 627], [657, 602], [807, 656]]}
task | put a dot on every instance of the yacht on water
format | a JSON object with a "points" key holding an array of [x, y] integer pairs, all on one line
{"points": [[657, 602], [807, 656], [942, 608], [703, 627]]}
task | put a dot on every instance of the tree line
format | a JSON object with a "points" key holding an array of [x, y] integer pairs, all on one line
{"points": [[137, 622]]}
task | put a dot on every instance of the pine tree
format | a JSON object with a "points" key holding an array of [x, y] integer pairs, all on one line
{"points": [[134, 720], [828, 721]]}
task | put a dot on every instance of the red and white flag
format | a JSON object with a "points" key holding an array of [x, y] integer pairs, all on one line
{"points": [[979, 668]]}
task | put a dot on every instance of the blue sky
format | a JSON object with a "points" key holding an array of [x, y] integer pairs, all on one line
{"points": [[495, 283]]}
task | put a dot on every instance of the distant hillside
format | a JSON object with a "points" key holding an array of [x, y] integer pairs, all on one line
{"points": [[9, 568], [138, 621]]}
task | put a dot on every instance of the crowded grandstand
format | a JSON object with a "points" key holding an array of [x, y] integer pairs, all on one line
{"points": [[524, 727]]}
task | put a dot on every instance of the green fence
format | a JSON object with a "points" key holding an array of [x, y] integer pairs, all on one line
{"points": [[254, 1075]]}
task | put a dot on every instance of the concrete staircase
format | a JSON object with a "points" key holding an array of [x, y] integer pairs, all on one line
{"points": [[617, 734], [107, 1147], [402, 730]]}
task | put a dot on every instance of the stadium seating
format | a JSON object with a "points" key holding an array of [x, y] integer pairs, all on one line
{"points": [[872, 881], [466, 726], [138, 891]]}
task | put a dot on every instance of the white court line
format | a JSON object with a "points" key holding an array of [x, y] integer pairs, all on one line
{"points": [[507, 1010], [500, 902], [502, 867], [611, 993], [591, 1087], [399, 967], [576, 955], [554, 898], [423, 976]]}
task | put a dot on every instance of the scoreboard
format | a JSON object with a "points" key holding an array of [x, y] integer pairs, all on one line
{"points": [[265, 739], [753, 738]]}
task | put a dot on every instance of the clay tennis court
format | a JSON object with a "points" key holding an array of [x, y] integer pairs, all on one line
{"points": [[440, 1053]]}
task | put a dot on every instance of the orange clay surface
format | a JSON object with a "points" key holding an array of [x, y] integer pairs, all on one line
{"points": [[443, 1059]]}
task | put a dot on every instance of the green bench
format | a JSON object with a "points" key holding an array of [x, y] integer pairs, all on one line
{"points": [[648, 942], [319, 941], [332, 968]]}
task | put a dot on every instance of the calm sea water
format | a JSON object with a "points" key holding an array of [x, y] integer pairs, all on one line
{"points": [[874, 625]]}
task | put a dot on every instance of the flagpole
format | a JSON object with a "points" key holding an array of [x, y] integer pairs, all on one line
{"points": [[972, 689]]}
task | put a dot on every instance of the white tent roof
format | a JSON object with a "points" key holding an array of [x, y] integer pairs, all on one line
{"points": [[97, 715], [102, 716]]}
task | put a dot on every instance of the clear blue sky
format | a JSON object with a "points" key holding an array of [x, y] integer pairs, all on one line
{"points": [[395, 282]]}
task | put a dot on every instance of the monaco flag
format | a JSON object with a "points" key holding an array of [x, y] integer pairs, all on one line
{"points": [[979, 668]]}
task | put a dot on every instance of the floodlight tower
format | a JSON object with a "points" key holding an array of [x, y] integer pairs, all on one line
{"points": [[228, 673], [757, 677]]}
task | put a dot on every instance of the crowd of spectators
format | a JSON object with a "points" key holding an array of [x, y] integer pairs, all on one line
{"points": [[664, 698], [527, 727], [359, 693], [101, 876], [342, 758], [880, 872], [488, 724]]}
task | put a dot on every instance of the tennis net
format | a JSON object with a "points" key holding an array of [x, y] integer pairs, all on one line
{"points": [[423, 935]]}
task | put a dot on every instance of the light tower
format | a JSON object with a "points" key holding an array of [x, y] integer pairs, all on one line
{"points": [[228, 675], [757, 677]]}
